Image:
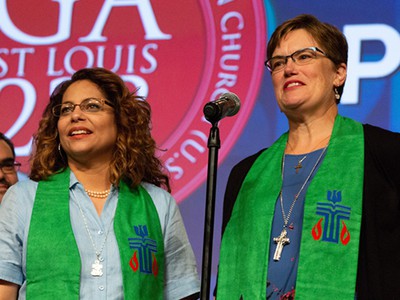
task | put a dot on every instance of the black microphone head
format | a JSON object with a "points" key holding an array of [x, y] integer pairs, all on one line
{"points": [[232, 96], [228, 104]]}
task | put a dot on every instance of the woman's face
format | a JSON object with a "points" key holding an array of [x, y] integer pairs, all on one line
{"points": [[87, 136], [305, 89]]}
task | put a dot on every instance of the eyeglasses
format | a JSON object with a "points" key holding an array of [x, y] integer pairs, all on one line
{"points": [[300, 57], [9, 166], [90, 105]]}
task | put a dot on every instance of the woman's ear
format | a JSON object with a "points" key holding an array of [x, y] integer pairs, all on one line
{"points": [[341, 74]]}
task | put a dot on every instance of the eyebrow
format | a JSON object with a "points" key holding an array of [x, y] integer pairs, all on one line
{"points": [[6, 160], [71, 101], [284, 56]]}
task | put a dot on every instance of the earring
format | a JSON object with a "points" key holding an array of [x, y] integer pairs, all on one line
{"points": [[60, 152], [337, 95]]}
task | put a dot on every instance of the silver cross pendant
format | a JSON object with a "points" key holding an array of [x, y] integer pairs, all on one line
{"points": [[280, 241]]}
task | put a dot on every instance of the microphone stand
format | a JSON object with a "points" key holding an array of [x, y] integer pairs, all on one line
{"points": [[213, 146]]}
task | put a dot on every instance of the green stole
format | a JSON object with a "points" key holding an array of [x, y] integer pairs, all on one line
{"points": [[53, 263], [326, 270]]}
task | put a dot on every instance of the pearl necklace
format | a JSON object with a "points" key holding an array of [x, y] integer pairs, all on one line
{"points": [[94, 194]]}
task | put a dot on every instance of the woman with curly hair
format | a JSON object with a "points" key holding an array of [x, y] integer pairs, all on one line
{"points": [[96, 220]]}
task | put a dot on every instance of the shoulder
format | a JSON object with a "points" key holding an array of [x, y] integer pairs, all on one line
{"points": [[161, 198], [378, 134], [22, 192], [381, 153], [235, 180], [25, 184], [18, 201], [163, 201], [381, 142], [242, 167]]}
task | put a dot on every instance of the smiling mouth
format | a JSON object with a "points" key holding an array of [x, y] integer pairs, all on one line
{"points": [[292, 84], [79, 132]]}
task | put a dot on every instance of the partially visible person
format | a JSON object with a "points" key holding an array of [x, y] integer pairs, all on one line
{"points": [[8, 165], [96, 219], [315, 215]]}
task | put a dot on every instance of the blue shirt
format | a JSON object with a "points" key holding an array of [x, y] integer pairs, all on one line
{"points": [[282, 274], [181, 278]]}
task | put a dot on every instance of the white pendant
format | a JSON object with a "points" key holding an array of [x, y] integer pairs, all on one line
{"points": [[97, 269]]}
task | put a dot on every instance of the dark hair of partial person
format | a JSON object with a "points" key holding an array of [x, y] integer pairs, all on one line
{"points": [[331, 40], [134, 157], [8, 142]]}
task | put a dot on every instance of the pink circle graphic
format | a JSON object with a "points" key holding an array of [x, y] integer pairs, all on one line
{"points": [[180, 54]]}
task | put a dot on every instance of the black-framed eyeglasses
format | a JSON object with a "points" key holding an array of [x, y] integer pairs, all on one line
{"points": [[300, 57], [9, 166], [90, 105]]}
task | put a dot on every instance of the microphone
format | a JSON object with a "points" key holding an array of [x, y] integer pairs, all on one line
{"points": [[227, 105]]}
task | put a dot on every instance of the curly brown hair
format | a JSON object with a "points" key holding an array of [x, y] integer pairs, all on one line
{"points": [[331, 39], [134, 157]]}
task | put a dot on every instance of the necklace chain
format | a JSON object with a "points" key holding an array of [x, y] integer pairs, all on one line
{"points": [[301, 160], [97, 252], [296, 196], [299, 165], [283, 239]]}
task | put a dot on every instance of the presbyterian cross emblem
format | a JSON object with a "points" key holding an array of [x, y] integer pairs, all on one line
{"points": [[331, 226], [145, 249]]}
